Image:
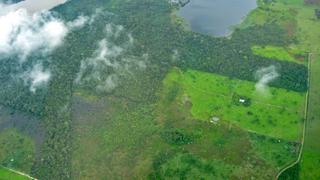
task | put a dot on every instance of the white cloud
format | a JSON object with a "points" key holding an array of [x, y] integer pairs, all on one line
{"points": [[265, 76], [79, 22], [54, 32], [103, 58], [36, 77], [21, 33], [109, 84], [110, 62], [5, 8]]}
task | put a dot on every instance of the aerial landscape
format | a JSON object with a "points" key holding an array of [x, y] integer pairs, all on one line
{"points": [[160, 89]]}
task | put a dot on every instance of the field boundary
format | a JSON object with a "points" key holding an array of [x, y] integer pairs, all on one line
{"points": [[18, 172], [304, 123], [233, 92]]}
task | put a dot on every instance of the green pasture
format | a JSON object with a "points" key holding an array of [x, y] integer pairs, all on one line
{"points": [[218, 141], [281, 53], [307, 33], [17, 150], [276, 112], [8, 175]]}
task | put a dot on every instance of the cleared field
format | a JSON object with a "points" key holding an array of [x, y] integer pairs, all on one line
{"points": [[281, 53], [276, 112], [211, 99], [308, 35], [116, 138], [309, 38], [8, 175], [310, 162], [17, 150]]}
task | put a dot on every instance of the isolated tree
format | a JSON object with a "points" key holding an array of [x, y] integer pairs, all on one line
{"points": [[317, 13]]}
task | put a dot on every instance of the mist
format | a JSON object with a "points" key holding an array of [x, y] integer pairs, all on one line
{"points": [[265, 76], [111, 61], [23, 34]]}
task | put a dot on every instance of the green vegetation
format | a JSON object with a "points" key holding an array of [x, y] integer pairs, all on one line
{"points": [[17, 150], [267, 113], [291, 174], [280, 53], [111, 141], [165, 141], [216, 94], [185, 166], [157, 125], [176, 137], [8, 175], [277, 152], [310, 162], [304, 27]]}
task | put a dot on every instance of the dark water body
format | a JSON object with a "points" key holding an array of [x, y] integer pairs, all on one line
{"points": [[216, 17]]}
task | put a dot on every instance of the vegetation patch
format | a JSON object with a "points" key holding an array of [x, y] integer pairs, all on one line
{"points": [[274, 112], [17, 150], [241, 100], [281, 53], [185, 166], [8, 175], [176, 137], [277, 152]]}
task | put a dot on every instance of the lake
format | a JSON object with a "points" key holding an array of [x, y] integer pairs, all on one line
{"points": [[37, 5], [216, 17]]}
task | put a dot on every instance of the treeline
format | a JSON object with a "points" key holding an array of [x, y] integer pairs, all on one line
{"points": [[152, 26], [233, 58], [57, 148], [291, 173]]}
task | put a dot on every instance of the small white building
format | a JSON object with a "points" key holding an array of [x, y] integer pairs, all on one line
{"points": [[214, 120]]}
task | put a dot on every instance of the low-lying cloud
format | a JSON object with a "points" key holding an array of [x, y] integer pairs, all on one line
{"points": [[23, 34], [265, 76], [36, 77], [79, 22], [110, 61]]}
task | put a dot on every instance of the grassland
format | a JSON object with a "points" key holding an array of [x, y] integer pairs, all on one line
{"points": [[9, 175], [267, 113], [299, 20], [281, 53], [120, 143], [216, 97], [310, 162], [309, 38], [116, 138], [17, 150]]}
